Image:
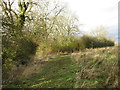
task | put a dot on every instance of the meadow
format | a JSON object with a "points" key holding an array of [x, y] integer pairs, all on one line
{"points": [[91, 68], [43, 46]]}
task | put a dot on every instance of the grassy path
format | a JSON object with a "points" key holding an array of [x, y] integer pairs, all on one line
{"points": [[91, 68]]}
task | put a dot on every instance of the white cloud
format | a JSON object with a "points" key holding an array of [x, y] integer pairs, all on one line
{"points": [[94, 13]]}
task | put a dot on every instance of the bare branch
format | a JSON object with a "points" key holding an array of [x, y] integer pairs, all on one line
{"points": [[55, 17], [4, 7], [14, 13], [12, 2], [52, 10]]}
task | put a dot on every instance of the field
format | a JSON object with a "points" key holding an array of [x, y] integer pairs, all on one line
{"points": [[47, 45], [91, 68]]}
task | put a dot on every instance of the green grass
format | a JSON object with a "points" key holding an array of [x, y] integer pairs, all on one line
{"points": [[86, 69], [59, 72]]}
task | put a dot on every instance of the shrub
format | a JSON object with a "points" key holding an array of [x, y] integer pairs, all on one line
{"points": [[18, 49], [25, 48], [95, 42], [68, 45]]}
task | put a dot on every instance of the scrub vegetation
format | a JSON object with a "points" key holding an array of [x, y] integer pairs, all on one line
{"points": [[43, 47]]}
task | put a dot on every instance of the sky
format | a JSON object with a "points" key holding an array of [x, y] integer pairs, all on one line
{"points": [[93, 13]]}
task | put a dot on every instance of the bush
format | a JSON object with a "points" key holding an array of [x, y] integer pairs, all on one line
{"points": [[25, 48], [67, 45], [18, 49], [96, 42]]}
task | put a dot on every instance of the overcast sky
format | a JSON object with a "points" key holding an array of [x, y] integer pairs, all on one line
{"points": [[94, 13]]}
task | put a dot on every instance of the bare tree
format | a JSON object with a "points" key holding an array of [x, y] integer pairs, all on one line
{"points": [[13, 20]]}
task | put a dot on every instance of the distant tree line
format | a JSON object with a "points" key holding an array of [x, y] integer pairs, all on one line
{"points": [[96, 42]]}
